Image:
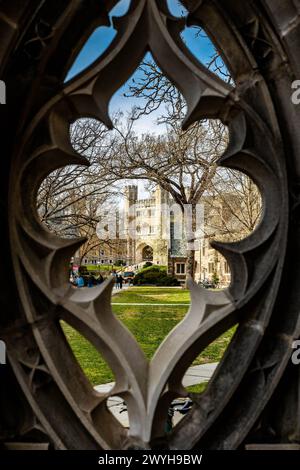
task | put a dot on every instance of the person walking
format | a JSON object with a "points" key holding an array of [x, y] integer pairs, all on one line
{"points": [[90, 282], [120, 281]]}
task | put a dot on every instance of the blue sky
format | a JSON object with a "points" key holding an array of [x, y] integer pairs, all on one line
{"points": [[101, 38]]}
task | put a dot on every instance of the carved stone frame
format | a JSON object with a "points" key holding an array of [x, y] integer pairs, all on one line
{"points": [[259, 42]]}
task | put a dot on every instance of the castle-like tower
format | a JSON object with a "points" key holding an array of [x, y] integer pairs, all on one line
{"points": [[146, 226]]}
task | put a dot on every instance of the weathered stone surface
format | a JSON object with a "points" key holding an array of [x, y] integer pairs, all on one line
{"points": [[54, 401]]}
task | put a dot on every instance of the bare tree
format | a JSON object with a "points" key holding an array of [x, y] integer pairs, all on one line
{"points": [[233, 206], [69, 198], [183, 163], [155, 91]]}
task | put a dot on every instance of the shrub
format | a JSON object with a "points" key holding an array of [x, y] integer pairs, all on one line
{"points": [[154, 275], [168, 281], [120, 262], [147, 264], [215, 279], [154, 267]]}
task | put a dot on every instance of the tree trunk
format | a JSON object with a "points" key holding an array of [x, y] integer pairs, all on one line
{"points": [[191, 263], [191, 219]]}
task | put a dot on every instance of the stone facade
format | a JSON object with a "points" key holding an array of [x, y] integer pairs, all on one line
{"points": [[144, 218], [145, 232], [154, 238]]}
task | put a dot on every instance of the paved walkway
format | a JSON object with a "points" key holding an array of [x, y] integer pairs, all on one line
{"points": [[117, 291], [194, 375]]}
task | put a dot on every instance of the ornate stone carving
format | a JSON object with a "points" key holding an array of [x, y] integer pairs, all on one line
{"points": [[263, 144]]}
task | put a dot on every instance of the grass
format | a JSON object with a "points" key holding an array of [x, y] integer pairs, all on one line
{"points": [[100, 267], [150, 295], [149, 324], [215, 351], [199, 388], [94, 366]]}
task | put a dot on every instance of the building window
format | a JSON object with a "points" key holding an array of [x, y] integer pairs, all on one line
{"points": [[151, 229], [180, 268], [211, 267]]}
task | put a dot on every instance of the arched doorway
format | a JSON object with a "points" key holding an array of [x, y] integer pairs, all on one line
{"points": [[144, 252], [147, 253]]}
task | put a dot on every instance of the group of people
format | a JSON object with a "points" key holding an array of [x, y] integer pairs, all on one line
{"points": [[78, 280], [118, 280], [90, 281], [93, 281]]}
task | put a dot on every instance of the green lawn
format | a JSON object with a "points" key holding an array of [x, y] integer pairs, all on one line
{"points": [[100, 267], [150, 295], [199, 388], [96, 369], [149, 324]]}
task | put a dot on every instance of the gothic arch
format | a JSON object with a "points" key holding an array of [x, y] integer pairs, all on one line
{"points": [[141, 249]]}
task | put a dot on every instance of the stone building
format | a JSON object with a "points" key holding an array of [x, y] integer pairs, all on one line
{"points": [[151, 222], [147, 231]]}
